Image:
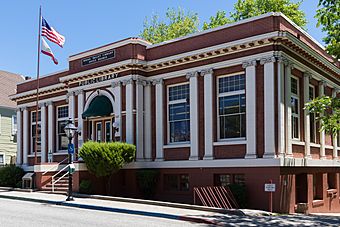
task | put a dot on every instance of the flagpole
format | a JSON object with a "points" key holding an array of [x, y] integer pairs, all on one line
{"points": [[37, 101]]}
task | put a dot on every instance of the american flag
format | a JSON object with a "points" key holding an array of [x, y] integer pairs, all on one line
{"points": [[51, 34]]}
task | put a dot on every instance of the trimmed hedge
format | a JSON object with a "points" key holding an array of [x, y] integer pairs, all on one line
{"points": [[11, 176]]}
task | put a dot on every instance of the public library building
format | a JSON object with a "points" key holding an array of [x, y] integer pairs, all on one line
{"points": [[216, 107]]}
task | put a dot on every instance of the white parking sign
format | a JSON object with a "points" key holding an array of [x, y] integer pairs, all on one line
{"points": [[269, 187]]}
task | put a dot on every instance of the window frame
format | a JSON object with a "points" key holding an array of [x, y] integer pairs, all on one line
{"points": [[179, 182], [226, 94], [168, 112], [31, 128], [3, 158], [14, 125], [56, 127], [297, 97]]}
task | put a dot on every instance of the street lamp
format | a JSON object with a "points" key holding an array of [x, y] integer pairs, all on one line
{"points": [[115, 127], [70, 130]]}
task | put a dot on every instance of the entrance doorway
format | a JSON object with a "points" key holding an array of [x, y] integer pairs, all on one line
{"points": [[101, 129]]}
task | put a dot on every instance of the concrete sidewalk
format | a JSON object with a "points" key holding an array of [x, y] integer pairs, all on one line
{"points": [[132, 207]]}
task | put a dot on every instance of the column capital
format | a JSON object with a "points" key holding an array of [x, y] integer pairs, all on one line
{"points": [[115, 84], [208, 71], [23, 108], [249, 63], [157, 81], [128, 81], [148, 83], [322, 83], [191, 74], [141, 82], [268, 59], [49, 103], [307, 74], [78, 92], [42, 104]]}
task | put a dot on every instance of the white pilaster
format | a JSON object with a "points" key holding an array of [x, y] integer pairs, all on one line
{"points": [[281, 105], [19, 138], [80, 96], [140, 118], [118, 112], [129, 110], [288, 111], [147, 119], [43, 132], [193, 87], [208, 113], [50, 127], [25, 131], [71, 105], [322, 133], [159, 119], [251, 107], [335, 138], [306, 115], [269, 107]]}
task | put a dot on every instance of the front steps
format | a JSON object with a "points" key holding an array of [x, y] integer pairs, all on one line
{"points": [[60, 187]]}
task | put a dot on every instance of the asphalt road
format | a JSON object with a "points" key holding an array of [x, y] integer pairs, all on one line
{"points": [[20, 213]]}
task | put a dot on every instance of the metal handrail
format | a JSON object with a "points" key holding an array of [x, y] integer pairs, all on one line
{"points": [[53, 166], [54, 182]]}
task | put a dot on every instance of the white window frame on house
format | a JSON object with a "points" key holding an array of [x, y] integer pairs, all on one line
{"points": [[60, 119], [14, 125], [33, 123], [101, 132], [226, 94], [3, 159], [312, 115], [296, 115], [178, 101]]}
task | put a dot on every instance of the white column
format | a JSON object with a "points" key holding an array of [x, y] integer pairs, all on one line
{"points": [[129, 111], [208, 113], [269, 107], [140, 118], [147, 120], [71, 105], [335, 138], [251, 107], [116, 85], [281, 105], [288, 111], [306, 115], [322, 133], [159, 119], [43, 132], [50, 127], [80, 95], [193, 87], [25, 131], [19, 137]]}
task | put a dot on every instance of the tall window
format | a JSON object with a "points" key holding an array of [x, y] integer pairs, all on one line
{"points": [[14, 124], [179, 113], [312, 126], [232, 107], [35, 137], [176, 182], [295, 108], [62, 117]]}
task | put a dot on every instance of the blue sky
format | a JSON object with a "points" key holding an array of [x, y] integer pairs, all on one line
{"points": [[87, 24]]}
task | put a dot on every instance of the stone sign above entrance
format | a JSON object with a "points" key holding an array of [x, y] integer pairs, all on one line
{"points": [[98, 79], [98, 57]]}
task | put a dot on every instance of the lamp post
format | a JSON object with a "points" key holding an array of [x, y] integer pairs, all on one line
{"points": [[70, 130], [115, 127]]}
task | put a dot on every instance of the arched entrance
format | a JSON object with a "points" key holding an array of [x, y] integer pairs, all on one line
{"points": [[99, 117]]}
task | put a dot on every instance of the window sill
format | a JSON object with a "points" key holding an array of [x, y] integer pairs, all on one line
{"points": [[60, 153], [176, 145], [33, 155], [315, 145], [317, 203], [298, 142], [230, 142]]}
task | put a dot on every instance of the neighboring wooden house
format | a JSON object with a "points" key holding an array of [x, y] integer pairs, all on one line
{"points": [[8, 118]]}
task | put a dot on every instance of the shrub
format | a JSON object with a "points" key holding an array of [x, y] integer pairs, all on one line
{"points": [[85, 187], [239, 192], [147, 180], [10, 176]]}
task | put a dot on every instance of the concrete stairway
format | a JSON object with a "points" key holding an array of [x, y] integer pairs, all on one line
{"points": [[61, 186]]}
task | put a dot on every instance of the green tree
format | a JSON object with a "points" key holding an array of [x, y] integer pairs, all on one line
{"points": [[105, 159], [328, 16], [178, 24], [249, 8], [218, 20], [328, 111]]}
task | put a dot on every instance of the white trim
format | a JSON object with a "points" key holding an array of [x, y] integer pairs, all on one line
{"points": [[288, 110], [139, 96], [43, 134], [33, 92], [296, 96], [108, 47], [177, 145], [298, 142], [0, 124], [251, 134], [230, 142], [100, 92], [19, 138], [57, 119], [31, 127], [307, 133], [130, 127], [322, 133], [51, 127], [4, 159], [159, 120], [315, 145], [208, 114], [25, 130], [281, 107], [53, 99], [303, 162], [148, 123], [315, 131]]}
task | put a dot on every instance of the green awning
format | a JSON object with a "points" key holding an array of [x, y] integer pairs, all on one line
{"points": [[99, 107]]}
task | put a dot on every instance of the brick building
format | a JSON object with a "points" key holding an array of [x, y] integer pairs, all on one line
{"points": [[217, 107]]}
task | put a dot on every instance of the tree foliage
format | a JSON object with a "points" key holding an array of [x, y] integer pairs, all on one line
{"points": [[177, 24], [218, 20], [11, 175], [104, 159], [328, 111], [244, 9], [328, 16]]}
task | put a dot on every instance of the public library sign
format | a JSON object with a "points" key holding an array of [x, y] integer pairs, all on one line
{"points": [[98, 57]]}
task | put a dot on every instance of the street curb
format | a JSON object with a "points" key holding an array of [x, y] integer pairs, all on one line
{"points": [[166, 204], [110, 209]]}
